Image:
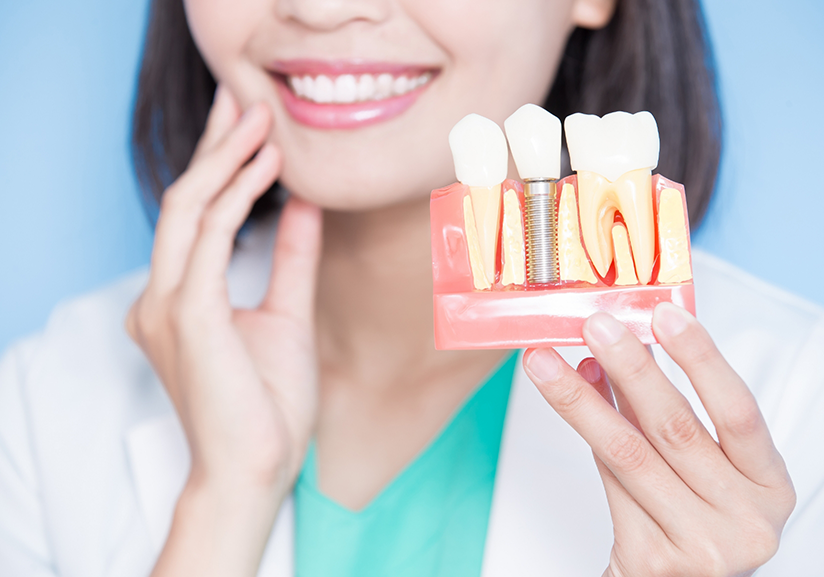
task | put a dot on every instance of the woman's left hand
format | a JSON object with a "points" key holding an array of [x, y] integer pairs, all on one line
{"points": [[681, 504]]}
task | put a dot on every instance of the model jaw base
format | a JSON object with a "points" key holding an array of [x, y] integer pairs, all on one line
{"points": [[507, 315]]}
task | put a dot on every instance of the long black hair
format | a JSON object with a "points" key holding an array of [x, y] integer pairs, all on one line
{"points": [[653, 55]]}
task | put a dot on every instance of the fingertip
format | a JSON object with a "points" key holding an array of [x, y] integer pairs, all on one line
{"points": [[544, 364], [590, 370], [670, 320]]}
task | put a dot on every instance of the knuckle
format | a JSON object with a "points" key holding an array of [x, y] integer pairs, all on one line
{"points": [[742, 419], [628, 452], [217, 222], [680, 430], [637, 367], [763, 541], [566, 397]]}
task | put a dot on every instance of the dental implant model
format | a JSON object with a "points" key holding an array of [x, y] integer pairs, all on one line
{"points": [[525, 265], [535, 140]]}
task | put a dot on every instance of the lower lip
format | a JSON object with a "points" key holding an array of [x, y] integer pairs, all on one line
{"points": [[343, 116]]}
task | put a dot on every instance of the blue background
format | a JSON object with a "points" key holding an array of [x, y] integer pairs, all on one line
{"points": [[71, 219]]}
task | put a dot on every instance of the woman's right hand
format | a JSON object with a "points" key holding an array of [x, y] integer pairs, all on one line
{"points": [[243, 382]]}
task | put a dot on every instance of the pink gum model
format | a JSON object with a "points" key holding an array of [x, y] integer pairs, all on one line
{"points": [[532, 316]]}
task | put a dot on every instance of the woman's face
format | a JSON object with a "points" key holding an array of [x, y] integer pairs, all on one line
{"points": [[379, 83]]}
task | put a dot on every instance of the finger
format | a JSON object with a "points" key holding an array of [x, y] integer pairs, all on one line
{"points": [[627, 515], [742, 431], [223, 115], [664, 416], [595, 375], [205, 278], [633, 460], [295, 262], [185, 201]]}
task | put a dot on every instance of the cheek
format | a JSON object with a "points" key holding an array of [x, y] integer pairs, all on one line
{"points": [[222, 29]]}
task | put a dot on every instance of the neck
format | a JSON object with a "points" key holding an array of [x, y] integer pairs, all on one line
{"points": [[375, 295]]}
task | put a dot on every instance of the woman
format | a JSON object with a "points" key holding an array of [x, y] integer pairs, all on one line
{"points": [[323, 403]]}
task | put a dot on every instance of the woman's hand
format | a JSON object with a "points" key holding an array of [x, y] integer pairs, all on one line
{"points": [[681, 504], [244, 382]]}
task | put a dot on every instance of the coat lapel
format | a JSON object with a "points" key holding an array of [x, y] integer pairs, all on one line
{"points": [[549, 512]]}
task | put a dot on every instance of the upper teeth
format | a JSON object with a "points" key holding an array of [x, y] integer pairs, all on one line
{"points": [[348, 88], [610, 146]]}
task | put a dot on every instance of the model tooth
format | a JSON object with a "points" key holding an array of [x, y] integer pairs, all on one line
{"points": [[480, 154], [614, 157], [534, 136], [479, 151], [613, 145]]}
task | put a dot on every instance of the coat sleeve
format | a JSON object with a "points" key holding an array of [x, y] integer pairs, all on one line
{"points": [[799, 435], [24, 544]]}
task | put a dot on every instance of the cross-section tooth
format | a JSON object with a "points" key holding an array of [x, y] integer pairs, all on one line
{"points": [[614, 157], [480, 154]]}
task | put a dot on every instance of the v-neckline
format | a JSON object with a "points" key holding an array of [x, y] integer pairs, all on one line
{"points": [[309, 474]]}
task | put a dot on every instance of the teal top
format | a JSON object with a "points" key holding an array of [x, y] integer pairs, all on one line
{"points": [[430, 520]]}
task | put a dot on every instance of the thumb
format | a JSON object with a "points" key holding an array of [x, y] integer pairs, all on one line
{"points": [[292, 286]]}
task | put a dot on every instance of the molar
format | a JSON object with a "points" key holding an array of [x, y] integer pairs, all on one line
{"points": [[614, 157]]}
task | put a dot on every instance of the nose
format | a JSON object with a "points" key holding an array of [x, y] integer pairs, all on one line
{"points": [[328, 15]]}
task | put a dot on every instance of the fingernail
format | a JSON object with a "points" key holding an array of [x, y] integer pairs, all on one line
{"points": [[590, 370], [544, 364], [670, 320], [604, 329]]}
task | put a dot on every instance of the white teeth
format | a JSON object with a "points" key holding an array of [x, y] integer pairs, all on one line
{"points": [[479, 151], [535, 140], [348, 88], [324, 89], [366, 87], [384, 86], [613, 145]]}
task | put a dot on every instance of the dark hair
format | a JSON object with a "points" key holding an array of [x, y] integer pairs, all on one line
{"points": [[653, 55]]}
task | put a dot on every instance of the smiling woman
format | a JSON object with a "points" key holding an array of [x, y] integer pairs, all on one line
{"points": [[275, 404]]}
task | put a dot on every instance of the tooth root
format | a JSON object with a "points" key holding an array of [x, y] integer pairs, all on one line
{"points": [[512, 241], [486, 204], [624, 267], [479, 279], [599, 199], [673, 244], [573, 264], [597, 208]]}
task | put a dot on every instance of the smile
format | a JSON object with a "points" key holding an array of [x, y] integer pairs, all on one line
{"points": [[348, 94]]}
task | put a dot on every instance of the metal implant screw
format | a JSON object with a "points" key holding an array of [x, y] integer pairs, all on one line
{"points": [[541, 224]]}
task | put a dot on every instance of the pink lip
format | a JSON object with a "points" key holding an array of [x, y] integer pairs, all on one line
{"points": [[343, 116]]}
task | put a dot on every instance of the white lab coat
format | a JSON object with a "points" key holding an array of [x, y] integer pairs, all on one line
{"points": [[92, 456]]}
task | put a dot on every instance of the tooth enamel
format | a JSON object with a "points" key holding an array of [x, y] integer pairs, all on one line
{"points": [[614, 157], [535, 140], [346, 89], [308, 84], [479, 151], [613, 145], [324, 89], [366, 87], [400, 85], [384, 86], [297, 85]]}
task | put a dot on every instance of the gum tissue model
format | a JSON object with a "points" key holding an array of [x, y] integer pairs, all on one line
{"points": [[525, 264]]}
